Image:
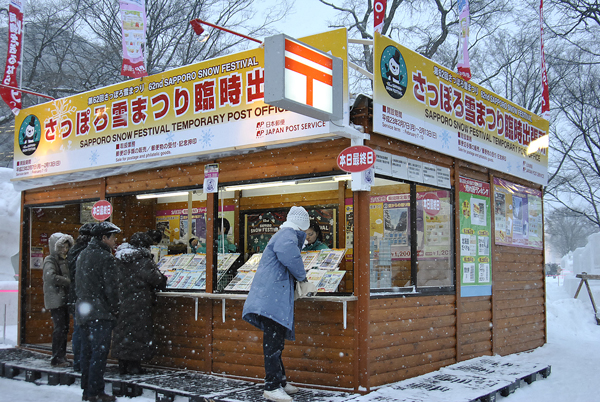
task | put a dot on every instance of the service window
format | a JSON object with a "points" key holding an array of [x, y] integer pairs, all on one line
{"points": [[411, 229]]}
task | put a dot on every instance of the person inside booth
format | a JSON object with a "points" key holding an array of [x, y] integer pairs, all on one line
{"points": [[314, 238], [224, 245]]}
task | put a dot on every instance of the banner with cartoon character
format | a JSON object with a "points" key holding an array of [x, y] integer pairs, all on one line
{"points": [[517, 215], [418, 101], [475, 236], [213, 106]]}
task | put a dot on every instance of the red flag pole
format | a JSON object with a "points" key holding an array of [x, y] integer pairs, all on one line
{"points": [[26, 91], [197, 26]]}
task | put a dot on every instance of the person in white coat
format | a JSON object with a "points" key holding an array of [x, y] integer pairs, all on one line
{"points": [[270, 302]]}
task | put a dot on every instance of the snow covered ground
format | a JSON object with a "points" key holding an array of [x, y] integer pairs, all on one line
{"points": [[573, 351]]}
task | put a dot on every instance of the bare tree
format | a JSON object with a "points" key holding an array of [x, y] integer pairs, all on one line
{"points": [[567, 230], [171, 41], [430, 28]]}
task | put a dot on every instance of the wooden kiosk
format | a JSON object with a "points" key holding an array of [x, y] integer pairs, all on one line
{"points": [[444, 248]]}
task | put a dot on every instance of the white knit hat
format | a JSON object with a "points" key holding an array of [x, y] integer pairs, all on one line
{"points": [[299, 217]]}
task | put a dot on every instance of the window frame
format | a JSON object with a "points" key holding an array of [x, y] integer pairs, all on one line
{"points": [[414, 289]]}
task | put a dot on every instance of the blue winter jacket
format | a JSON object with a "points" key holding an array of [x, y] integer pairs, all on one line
{"points": [[272, 291]]}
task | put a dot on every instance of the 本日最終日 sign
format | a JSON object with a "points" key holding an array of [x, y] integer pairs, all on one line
{"points": [[102, 210], [356, 159], [420, 102]]}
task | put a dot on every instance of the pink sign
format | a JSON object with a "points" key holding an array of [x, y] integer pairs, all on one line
{"points": [[133, 24]]}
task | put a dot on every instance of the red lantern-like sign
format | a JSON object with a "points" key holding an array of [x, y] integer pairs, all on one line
{"points": [[356, 159], [102, 210]]}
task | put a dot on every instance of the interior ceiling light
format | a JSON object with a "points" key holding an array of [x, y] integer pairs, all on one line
{"points": [[161, 195]]}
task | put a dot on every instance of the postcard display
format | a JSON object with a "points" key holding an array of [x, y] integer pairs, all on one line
{"points": [[188, 271], [475, 231], [321, 269], [517, 215]]}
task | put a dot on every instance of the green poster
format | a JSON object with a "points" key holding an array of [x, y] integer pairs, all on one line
{"points": [[475, 238]]}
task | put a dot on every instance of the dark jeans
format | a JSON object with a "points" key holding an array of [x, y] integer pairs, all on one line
{"points": [[95, 345], [76, 345], [60, 319], [273, 344]]}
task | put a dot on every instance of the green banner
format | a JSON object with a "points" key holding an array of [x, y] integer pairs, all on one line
{"points": [[475, 238]]}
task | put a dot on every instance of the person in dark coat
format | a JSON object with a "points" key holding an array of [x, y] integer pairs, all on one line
{"points": [[156, 236], [56, 289], [97, 308], [85, 235], [270, 302], [139, 279]]}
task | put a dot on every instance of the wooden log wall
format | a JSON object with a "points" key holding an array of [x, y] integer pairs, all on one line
{"points": [[519, 298], [182, 341], [63, 193], [410, 336], [322, 354]]}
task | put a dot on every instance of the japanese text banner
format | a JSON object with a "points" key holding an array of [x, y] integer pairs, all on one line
{"points": [[13, 56], [192, 110], [420, 102]]}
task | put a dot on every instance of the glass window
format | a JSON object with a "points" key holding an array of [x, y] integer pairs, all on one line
{"points": [[410, 237], [434, 234]]}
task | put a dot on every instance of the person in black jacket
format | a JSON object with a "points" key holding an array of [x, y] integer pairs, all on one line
{"points": [[80, 244], [139, 279], [97, 308]]}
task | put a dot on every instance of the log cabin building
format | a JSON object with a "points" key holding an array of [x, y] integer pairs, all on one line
{"points": [[443, 234]]}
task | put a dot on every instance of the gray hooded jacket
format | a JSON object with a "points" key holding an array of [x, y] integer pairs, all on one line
{"points": [[56, 273]]}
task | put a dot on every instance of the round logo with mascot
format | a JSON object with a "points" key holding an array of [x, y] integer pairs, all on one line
{"points": [[393, 72], [30, 133]]}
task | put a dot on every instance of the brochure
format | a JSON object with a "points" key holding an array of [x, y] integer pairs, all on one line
{"points": [[251, 264], [308, 257], [330, 281]]}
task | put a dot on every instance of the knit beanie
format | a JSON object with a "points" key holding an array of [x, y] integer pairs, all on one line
{"points": [[299, 217]]}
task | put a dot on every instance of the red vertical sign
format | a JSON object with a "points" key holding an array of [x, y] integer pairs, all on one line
{"points": [[379, 9], [13, 56]]}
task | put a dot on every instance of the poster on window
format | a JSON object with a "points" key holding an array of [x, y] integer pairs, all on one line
{"points": [[173, 223], [390, 226], [517, 215], [434, 232], [475, 230]]}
